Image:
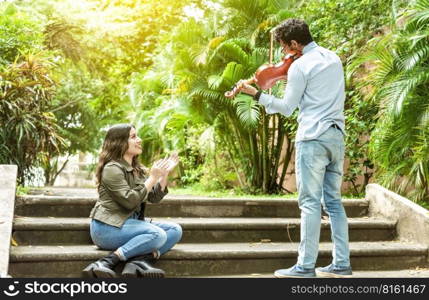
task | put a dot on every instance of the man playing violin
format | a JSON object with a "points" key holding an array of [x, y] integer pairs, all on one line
{"points": [[315, 85]]}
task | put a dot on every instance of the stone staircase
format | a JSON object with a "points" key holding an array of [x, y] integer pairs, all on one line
{"points": [[222, 237]]}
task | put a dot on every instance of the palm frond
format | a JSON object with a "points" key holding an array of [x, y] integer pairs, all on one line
{"points": [[248, 111], [207, 94], [231, 50], [232, 73], [400, 89], [259, 57], [418, 56], [250, 10], [207, 140], [263, 29], [214, 81], [420, 14]]}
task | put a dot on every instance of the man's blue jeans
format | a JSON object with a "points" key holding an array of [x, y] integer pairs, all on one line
{"points": [[136, 237], [319, 171]]}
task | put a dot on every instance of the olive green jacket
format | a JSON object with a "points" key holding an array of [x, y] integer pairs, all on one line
{"points": [[121, 193]]}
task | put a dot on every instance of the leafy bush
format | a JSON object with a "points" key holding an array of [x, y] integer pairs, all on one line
{"points": [[18, 34], [397, 83], [28, 130]]}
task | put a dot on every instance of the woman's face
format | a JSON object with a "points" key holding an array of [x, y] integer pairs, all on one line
{"points": [[134, 144]]}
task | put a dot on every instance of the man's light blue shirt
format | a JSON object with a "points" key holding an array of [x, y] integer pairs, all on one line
{"points": [[315, 84]]}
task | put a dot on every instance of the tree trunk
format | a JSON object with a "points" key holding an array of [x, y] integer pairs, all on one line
{"points": [[277, 155], [289, 150], [265, 173], [52, 181]]}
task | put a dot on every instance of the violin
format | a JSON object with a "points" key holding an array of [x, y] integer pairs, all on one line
{"points": [[267, 75]]}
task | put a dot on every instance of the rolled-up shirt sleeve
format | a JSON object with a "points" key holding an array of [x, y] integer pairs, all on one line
{"points": [[113, 179], [295, 88], [156, 194]]}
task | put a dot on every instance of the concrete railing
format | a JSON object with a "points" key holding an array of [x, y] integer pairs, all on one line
{"points": [[412, 219], [8, 175]]}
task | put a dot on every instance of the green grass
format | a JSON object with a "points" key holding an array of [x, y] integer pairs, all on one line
{"points": [[22, 190], [196, 190]]}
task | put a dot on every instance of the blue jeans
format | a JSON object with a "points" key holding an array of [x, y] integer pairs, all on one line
{"points": [[319, 170], [135, 237]]}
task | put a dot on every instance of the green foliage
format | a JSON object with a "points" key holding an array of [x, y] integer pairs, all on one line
{"points": [[341, 26], [22, 190], [247, 111], [18, 34], [150, 64], [238, 193], [209, 57], [360, 121], [205, 65], [28, 130], [398, 84], [233, 56], [344, 25], [77, 119], [97, 45], [74, 111]]}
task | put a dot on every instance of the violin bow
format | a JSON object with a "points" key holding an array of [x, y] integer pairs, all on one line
{"points": [[271, 52]]}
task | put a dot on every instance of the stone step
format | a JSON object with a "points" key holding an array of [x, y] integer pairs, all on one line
{"points": [[190, 259], [180, 206], [407, 273], [63, 231]]}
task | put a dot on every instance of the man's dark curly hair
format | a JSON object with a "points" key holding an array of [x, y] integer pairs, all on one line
{"points": [[293, 29]]}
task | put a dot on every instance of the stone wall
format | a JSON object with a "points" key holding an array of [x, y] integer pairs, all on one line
{"points": [[412, 219], [8, 175]]}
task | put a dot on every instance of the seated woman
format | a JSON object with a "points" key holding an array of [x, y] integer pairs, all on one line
{"points": [[118, 221]]}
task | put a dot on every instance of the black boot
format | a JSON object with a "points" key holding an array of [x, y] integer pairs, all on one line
{"points": [[102, 268], [140, 266]]}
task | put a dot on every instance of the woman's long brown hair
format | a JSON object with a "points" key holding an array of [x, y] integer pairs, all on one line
{"points": [[114, 147]]}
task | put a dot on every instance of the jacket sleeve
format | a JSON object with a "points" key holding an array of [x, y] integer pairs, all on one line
{"points": [[113, 179], [156, 194]]}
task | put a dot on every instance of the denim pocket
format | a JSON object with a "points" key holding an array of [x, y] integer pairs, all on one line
{"points": [[314, 154]]}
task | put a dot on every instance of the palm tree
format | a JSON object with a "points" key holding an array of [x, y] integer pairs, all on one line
{"points": [[398, 84], [200, 62]]}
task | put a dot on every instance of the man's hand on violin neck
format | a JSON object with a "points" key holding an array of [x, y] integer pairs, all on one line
{"points": [[248, 89]]}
